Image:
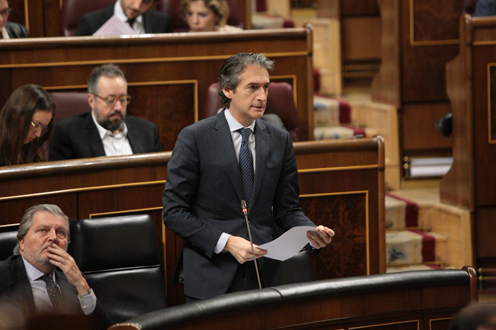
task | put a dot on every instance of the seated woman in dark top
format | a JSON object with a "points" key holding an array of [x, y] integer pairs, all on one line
{"points": [[26, 121], [9, 30]]}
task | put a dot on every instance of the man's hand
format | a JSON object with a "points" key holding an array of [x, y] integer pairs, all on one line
{"points": [[240, 248], [60, 258], [321, 237]]}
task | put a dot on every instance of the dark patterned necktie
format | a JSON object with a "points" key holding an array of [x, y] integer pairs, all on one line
{"points": [[53, 291], [131, 22], [246, 165]]}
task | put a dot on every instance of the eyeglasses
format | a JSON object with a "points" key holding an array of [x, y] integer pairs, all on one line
{"points": [[39, 127], [112, 100], [6, 12]]}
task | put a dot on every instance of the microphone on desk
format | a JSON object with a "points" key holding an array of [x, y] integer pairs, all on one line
{"points": [[245, 212]]}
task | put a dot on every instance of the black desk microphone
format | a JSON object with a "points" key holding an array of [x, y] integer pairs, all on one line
{"points": [[245, 212]]}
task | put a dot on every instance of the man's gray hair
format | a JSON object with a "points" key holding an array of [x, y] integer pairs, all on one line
{"points": [[232, 69], [106, 70], [27, 221]]}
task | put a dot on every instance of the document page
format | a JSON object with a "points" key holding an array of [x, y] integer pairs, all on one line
{"points": [[288, 244], [114, 27]]}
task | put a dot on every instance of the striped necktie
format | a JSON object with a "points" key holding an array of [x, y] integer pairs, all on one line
{"points": [[246, 165]]}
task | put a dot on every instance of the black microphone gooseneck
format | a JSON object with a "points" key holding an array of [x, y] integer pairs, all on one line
{"points": [[245, 212]]}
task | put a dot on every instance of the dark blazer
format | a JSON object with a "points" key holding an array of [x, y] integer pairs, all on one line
{"points": [[202, 199], [154, 21], [16, 30], [78, 137], [14, 285], [485, 8]]}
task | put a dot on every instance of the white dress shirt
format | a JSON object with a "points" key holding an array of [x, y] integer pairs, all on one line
{"points": [[114, 144], [138, 25]]}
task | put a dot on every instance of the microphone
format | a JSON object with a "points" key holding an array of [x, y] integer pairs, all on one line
{"points": [[245, 212]]}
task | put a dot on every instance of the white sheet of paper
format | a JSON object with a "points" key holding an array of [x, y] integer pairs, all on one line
{"points": [[114, 27], [288, 244]]}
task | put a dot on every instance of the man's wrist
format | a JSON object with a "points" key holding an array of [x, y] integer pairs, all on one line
{"points": [[85, 294]]}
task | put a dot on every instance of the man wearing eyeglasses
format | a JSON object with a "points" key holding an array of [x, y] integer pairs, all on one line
{"points": [[137, 13], [9, 30], [106, 130]]}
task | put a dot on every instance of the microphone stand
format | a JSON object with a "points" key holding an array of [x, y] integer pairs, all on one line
{"points": [[245, 212]]}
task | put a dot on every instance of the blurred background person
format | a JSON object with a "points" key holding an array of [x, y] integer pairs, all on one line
{"points": [[206, 15], [26, 121], [476, 316], [9, 29]]}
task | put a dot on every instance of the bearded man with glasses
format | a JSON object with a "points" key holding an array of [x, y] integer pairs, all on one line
{"points": [[10, 30], [106, 130]]}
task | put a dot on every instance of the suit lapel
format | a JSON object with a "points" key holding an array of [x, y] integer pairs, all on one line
{"points": [[93, 137], [134, 140], [20, 284], [262, 154], [224, 148]]}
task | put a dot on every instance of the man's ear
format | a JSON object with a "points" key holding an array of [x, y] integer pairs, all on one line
{"points": [[227, 92], [91, 100]]}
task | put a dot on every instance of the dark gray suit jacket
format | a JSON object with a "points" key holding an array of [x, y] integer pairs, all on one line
{"points": [[16, 30], [154, 21], [202, 199], [15, 286], [78, 137]]}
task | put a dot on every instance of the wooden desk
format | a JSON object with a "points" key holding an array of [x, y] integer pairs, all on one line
{"points": [[412, 77], [168, 74], [341, 186], [471, 181]]}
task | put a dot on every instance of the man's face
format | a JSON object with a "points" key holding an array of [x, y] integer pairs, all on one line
{"points": [[249, 99], [46, 229], [134, 8], [108, 116], [4, 5]]}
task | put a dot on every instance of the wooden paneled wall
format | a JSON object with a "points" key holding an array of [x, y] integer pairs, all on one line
{"points": [[419, 37], [471, 85], [341, 186], [42, 17], [360, 31], [168, 74]]}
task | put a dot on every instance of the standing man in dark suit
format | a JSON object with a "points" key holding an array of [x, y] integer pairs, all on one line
{"points": [[41, 277], [205, 187], [10, 30], [135, 12], [106, 130]]}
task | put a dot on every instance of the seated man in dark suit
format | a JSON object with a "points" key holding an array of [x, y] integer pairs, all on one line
{"points": [[106, 130], [10, 30], [135, 12], [41, 278]]}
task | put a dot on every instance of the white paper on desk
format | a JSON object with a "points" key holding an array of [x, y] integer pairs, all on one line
{"points": [[288, 244], [114, 27]]}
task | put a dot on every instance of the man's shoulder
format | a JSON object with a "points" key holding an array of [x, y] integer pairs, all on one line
{"points": [[74, 119], [16, 30], [156, 14], [133, 120], [103, 12]]}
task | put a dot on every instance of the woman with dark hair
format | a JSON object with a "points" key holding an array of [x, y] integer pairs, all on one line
{"points": [[25, 124]]}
